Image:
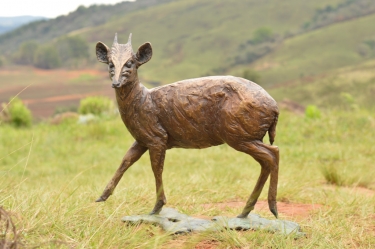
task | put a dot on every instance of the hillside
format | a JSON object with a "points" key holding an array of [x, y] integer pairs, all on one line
{"points": [[319, 51], [296, 48], [347, 88], [84, 17], [188, 46]]}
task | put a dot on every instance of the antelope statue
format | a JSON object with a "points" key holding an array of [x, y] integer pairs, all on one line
{"points": [[192, 114]]}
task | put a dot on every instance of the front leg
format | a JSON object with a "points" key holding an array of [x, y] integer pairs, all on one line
{"points": [[134, 153], [157, 156]]}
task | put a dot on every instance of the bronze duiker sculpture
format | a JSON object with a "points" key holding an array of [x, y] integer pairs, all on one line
{"points": [[194, 113]]}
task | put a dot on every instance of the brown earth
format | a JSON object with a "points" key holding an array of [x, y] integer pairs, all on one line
{"points": [[43, 91], [286, 210], [207, 244]]}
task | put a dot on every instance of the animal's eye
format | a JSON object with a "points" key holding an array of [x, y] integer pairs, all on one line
{"points": [[129, 63]]}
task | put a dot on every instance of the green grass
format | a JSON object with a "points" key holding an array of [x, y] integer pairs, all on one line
{"points": [[51, 176]]}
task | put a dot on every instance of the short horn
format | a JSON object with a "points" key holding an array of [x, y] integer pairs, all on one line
{"points": [[130, 39], [115, 40]]}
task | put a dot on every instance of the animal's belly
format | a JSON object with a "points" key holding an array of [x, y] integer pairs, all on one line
{"points": [[191, 136]]}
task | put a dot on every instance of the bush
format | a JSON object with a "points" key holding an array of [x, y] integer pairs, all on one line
{"points": [[26, 53], [312, 112], [262, 34], [96, 105], [47, 57], [19, 114], [73, 51], [252, 75]]}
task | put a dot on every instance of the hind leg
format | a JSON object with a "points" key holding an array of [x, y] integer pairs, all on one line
{"points": [[268, 158]]}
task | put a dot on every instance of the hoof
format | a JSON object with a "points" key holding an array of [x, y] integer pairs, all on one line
{"points": [[155, 212], [100, 199], [242, 216], [158, 207], [274, 211]]}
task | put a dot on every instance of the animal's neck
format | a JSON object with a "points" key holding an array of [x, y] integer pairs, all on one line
{"points": [[130, 93]]}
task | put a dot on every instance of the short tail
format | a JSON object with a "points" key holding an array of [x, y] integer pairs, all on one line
{"points": [[272, 129]]}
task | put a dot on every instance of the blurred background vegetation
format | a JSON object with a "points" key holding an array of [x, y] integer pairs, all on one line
{"points": [[63, 134], [298, 50]]}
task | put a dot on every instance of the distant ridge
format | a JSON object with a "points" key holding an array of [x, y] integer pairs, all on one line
{"points": [[82, 17], [13, 22]]}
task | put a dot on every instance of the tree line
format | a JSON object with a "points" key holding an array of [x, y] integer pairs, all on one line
{"points": [[67, 51]]}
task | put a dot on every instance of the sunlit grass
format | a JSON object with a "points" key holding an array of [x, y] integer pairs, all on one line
{"points": [[51, 176]]}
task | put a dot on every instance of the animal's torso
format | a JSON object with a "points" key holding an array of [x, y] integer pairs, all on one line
{"points": [[208, 111], [202, 112]]}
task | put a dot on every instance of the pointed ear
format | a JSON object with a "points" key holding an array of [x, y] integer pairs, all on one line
{"points": [[102, 52], [144, 53]]}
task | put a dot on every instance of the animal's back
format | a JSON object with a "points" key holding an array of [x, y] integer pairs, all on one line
{"points": [[209, 111]]}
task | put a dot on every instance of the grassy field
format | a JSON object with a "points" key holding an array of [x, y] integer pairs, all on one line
{"points": [[51, 176]]}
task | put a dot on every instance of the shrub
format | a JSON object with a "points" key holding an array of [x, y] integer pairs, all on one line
{"points": [[252, 75], [26, 53], [262, 34], [72, 47], [312, 112], [47, 57], [96, 105], [19, 114]]}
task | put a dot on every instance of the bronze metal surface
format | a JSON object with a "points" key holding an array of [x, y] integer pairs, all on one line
{"points": [[194, 113]]}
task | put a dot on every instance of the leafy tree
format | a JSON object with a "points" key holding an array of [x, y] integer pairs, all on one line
{"points": [[72, 47], [262, 34], [26, 53], [47, 57], [252, 75]]}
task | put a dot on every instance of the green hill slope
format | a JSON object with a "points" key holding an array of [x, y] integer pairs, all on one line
{"points": [[47, 30], [318, 52], [347, 88], [190, 38], [195, 38]]}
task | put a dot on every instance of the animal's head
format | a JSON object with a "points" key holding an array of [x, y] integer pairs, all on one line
{"points": [[122, 61]]}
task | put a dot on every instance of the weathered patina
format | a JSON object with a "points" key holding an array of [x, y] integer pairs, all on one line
{"points": [[195, 113]]}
